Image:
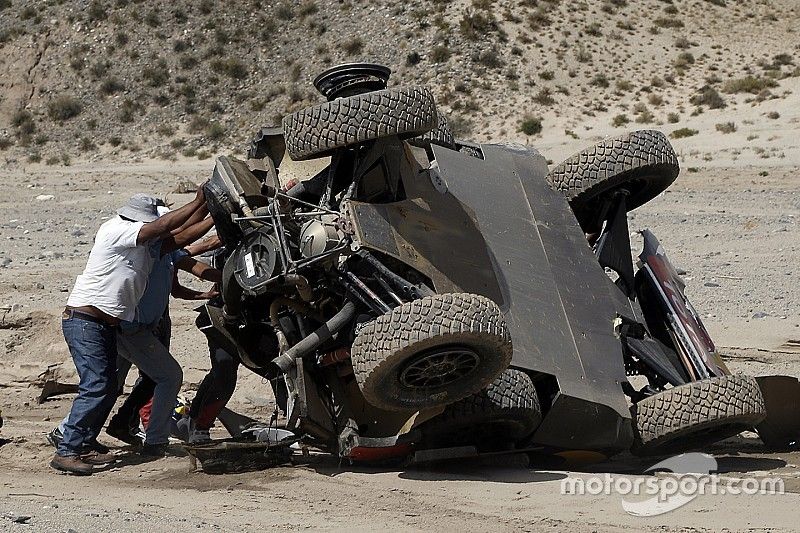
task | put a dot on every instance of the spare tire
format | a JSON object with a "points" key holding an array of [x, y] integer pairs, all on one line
{"points": [[318, 130], [440, 135], [497, 417], [696, 414], [431, 352], [642, 162]]}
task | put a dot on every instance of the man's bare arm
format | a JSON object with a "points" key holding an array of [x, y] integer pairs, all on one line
{"points": [[196, 217], [186, 237], [212, 242], [199, 269], [185, 293], [163, 225]]}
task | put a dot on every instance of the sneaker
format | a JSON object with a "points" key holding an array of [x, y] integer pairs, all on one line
{"points": [[191, 433], [71, 464], [123, 433], [54, 437], [96, 458]]}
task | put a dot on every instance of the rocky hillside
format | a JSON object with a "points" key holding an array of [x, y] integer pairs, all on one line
{"points": [[125, 79]]}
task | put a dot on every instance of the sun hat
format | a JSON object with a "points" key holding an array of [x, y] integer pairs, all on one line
{"points": [[140, 207]]}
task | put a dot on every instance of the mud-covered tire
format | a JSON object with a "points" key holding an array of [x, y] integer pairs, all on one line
{"points": [[497, 417], [696, 414], [441, 135], [643, 162], [320, 129], [431, 352]]}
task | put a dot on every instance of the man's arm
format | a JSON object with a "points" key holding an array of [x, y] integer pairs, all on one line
{"points": [[186, 237], [196, 217], [212, 242], [199, 269], [164, 225], [185, 293]]}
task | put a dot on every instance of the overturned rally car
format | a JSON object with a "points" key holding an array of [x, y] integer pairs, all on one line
{"points": [[422, 294]]}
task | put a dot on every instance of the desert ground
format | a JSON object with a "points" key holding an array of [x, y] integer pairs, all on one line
{"points": [[732, 227]]}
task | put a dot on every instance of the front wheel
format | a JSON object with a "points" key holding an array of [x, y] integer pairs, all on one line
{"points": [[431, 352], [696, 414]]}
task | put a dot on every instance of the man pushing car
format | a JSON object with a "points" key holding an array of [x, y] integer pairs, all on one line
{"points": [[106, 293]]}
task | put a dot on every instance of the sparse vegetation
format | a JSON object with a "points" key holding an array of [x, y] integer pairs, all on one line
{"points": [[531, 125], [353, 46], [620, 120], [64, 108], [748, 84], [708, 96], [231, 67], [683, 132], [726, 127]]}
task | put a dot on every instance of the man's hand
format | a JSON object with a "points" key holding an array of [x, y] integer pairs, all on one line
{"points": [[164, 225]]}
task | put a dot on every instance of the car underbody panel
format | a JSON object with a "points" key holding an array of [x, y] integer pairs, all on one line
{"points": [[527, 254]]}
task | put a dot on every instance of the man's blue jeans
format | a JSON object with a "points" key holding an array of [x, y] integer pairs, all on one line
{"points": [[94, 351]]}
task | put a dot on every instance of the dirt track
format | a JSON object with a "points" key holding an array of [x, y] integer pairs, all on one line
{"points": [[735, 232]]}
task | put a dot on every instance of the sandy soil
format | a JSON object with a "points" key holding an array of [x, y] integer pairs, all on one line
{"points": [[734, 230]]}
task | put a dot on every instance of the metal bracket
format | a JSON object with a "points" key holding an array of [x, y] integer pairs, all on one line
{"points": [[613, 248]]}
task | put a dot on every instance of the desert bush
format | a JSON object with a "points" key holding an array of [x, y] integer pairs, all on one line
{"points": [[726, 127], [708, 96], [309, 7], [489, 58], [413, 58], [773, 115], [285, 11], [620, 120], [673, 118], [440, 53], [156, 74], [599, 80], [96, 11], [231, 67], [748, 84], [64, 107], [111, 85], [531, 125], [547, 75], [34, 157], [198, 124], [353, 46], [215, 131], [683, 132], [593, 29], [665, 22], [544, 97], [5, 142], [474, 25]]}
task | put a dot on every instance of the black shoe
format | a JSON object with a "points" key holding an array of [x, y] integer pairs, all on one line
{"points": [[54, 437], [121, 432], [95, 447], [154, 450]]}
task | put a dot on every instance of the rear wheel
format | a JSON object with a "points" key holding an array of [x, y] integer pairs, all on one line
{"points": [[440, 135], [642, 163], [497, 417], [696, 414], [318, 130], [431, 352]]}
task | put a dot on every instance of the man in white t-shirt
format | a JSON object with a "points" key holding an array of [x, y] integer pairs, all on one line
{"points": [[106, 293]]}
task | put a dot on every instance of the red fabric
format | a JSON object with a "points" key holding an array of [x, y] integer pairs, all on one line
{"points": [[208, 414], [144, 413]]}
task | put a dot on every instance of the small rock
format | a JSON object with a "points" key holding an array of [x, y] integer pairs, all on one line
{"points": [[39, 285], [710, 284], [77, 233], [760, 314], [185, 186], [21, 519], [44, 197]]}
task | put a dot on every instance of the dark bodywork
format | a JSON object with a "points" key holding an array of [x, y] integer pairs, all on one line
{"points": [[500, 231]]}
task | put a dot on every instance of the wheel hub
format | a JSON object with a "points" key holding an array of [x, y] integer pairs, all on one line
{"points": [[439, 367], [350, 79]]}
